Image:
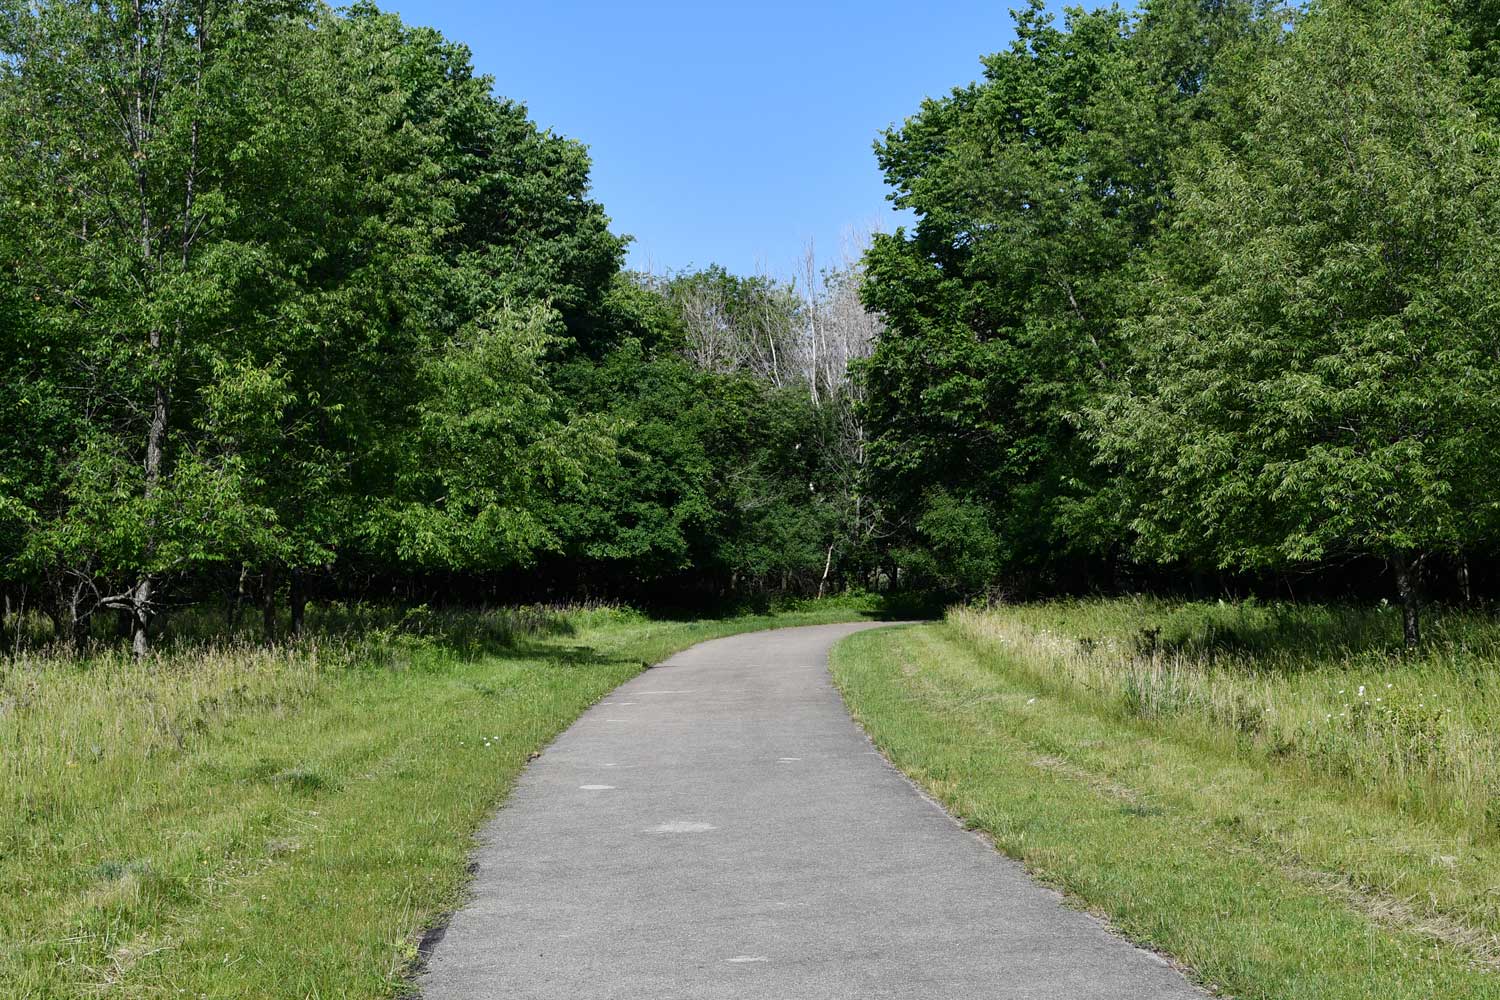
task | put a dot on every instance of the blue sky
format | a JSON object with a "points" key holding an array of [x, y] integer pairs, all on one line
{"points": [[726, 133]]}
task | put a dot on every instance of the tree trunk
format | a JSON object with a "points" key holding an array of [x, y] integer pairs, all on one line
{"points": [[156, 435], [156, 432], [1464, 586], [1406, 589], [827, 565], [78, 619], [140, 600], [237, 602]]}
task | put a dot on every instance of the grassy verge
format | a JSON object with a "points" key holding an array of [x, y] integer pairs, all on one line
{"points": [[243, 822], [1266, 857]]}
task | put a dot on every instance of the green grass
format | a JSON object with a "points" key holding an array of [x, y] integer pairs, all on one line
{"points": [[257, 822], [1172, 767], [1329, 688]]}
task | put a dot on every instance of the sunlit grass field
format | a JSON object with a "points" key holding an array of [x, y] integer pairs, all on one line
{"points": [[247, 821], [1327, 688], [1277, 796]]}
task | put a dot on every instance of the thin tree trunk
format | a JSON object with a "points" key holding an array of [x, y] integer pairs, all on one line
{"points": [[237, 602], [156, 437], [1464, 586], [15, 618], [156, 432], [827, 565], [78, 619], [1406, 589]]}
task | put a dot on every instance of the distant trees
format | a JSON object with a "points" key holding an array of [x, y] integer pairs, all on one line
{"points": [[740, 461]]}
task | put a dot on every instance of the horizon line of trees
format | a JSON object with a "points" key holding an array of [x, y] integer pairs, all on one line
{"points": [[293, 306]]}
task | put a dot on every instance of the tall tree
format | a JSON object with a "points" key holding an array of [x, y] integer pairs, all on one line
{"points": [[1037, 190], [118, 150], [441, 220], [271, 268], [1318, 371]]}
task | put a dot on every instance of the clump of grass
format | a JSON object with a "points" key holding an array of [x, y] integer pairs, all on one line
{"points": [[1328, 687]]}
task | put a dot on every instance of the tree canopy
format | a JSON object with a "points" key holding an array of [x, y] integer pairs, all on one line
{"points": [[295, 305]]}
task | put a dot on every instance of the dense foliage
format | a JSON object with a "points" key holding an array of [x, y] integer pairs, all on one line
{"points": [[1210, 286], [294, 305]]}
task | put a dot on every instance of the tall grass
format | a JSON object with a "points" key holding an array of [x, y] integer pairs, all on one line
{"points": [[59, 711], [1326, 687]]}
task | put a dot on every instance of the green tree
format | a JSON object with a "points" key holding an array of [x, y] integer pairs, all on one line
{"points": [[118, 128], [284, 286], [1037, 191], [421, 217], [489, 450], [1316, 375]]}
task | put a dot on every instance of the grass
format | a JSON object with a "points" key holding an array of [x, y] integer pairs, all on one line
{"points": [[242, 821], [1329, 688], [1209, 779]]}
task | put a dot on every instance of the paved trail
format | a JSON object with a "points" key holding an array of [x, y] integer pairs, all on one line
{"points": [[719, 828]]}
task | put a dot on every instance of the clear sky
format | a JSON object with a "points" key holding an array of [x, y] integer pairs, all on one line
{"points": [[726, 133]]}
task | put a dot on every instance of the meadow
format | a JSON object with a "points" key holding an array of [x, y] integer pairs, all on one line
{"points": [[235, 819], [1328, 688], [1279, 797]]}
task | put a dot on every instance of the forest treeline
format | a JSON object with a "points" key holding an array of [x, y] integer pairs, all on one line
{"points": [[295, 307]]}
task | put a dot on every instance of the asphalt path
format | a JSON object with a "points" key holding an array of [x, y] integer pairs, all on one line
{"points": [[719, 828]]}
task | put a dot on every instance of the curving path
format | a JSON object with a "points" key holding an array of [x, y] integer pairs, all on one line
{"points": [[719, 828]]}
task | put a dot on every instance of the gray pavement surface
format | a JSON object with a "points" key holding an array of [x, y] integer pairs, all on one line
{"points": [[719, 828]]}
